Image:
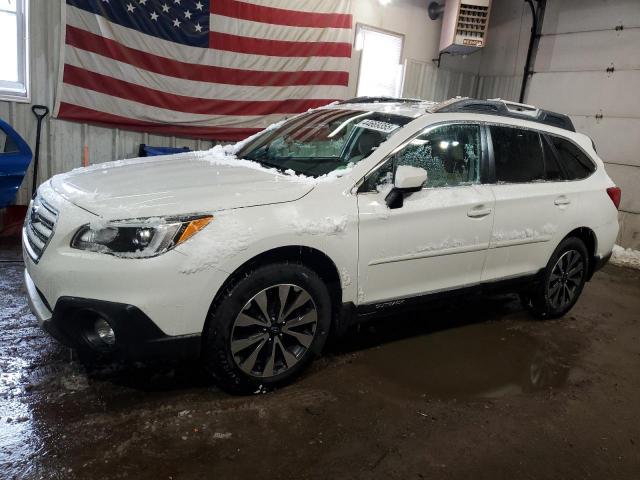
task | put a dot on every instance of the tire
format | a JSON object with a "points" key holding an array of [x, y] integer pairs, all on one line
{"points": [[562, 283], [261, 333]]}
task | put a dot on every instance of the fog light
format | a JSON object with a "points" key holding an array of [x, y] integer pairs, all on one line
{"points": [[104, 332]]}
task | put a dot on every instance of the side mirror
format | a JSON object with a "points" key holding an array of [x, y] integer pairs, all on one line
{"points": [[407, 180], [410, 179]]}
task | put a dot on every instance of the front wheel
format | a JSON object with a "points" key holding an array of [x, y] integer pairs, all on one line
{"points": [[267, 327], [563, 281]]}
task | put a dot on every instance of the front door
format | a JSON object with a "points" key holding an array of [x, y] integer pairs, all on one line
{"points": [[438, 239]]}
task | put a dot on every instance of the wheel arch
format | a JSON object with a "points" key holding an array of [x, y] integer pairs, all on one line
{"points": [[311, 257], [588, 237]]}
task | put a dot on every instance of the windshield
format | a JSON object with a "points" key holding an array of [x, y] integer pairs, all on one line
{"points": [[323, 141]]}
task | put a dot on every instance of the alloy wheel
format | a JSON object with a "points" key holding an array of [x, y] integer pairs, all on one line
{"points": [[565, 279], [274, 330]]}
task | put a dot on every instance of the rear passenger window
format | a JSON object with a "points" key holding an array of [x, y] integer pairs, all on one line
{"points": [[518, 155], [551, 166], [575, 161]]}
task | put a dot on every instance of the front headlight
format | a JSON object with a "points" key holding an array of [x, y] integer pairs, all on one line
{"points": [[140, 237]]}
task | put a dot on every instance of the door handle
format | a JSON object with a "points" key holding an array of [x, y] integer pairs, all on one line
{"points": [[561, 201], [478, 212]]}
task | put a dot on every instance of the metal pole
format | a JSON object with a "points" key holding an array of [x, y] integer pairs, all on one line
{"points": [[527, 66]]}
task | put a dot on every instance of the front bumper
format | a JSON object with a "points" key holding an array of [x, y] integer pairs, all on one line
{"points": [[177, 302], [137, 336], [39, 306]]}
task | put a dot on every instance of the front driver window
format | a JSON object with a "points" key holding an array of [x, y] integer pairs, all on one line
{"points": [[450, 154]]}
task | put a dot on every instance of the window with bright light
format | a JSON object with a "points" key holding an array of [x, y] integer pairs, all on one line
{"points": [[14, 76], [380, 62]]}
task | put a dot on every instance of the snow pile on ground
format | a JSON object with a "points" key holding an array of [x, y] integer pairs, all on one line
{"points": [[625, 257]]}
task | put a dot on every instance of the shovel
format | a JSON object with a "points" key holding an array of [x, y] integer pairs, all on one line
{"points": [[40, 111]]}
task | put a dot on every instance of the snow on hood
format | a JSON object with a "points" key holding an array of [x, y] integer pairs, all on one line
{"points": [[210, 180]]}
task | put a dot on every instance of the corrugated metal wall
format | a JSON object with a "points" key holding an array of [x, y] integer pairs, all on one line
{"points": [[506, 87], [62, 143], [424, 80]]}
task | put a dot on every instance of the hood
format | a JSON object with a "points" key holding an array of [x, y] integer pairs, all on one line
{"points": [[175, 185]]}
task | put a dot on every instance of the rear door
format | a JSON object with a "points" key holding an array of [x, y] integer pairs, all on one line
{"points": [[532, 202], [438, 239]]}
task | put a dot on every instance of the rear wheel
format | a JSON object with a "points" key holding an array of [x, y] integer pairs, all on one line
{"points": [[267, 327], [563, 281]]}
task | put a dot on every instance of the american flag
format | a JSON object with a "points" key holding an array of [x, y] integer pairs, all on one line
{"points": [[219, 69]]}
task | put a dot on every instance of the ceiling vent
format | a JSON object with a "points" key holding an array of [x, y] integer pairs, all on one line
{"points": [[464, 26]]}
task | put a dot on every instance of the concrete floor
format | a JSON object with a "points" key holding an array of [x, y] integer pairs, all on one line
{"points": [[477, 390]]}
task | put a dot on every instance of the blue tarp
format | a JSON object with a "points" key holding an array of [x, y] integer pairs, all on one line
{"points": [[147, 151], [15, 156]]}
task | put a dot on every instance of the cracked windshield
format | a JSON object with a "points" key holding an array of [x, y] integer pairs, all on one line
{"points": [[323, 141]]}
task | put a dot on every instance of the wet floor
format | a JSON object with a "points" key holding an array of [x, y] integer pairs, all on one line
{"points": [[479, 360], [472, 390]]}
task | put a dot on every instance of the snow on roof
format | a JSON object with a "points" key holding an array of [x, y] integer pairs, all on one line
{"points": [[405, 109]]}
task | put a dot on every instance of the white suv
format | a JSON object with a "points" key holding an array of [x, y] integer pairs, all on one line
{"points": [[329, 217]]}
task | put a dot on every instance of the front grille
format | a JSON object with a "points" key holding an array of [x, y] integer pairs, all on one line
{"points": [[39, 227]]}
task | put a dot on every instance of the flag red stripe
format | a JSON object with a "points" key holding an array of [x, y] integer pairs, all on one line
{"points": [[279, 16], [81, 114], [180, 103], [277, 48], [204, 73]]}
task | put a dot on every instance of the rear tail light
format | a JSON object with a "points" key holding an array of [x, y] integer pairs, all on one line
{"points": [[615, 194]]}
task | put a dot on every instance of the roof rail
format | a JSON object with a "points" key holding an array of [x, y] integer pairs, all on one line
{"points": [[505, 108], [381, 100], [523, 108]]}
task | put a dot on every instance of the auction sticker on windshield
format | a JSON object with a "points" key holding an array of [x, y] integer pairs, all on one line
{"points": [[378, 125]]}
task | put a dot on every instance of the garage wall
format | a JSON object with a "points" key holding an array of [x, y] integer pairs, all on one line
{"points": [[579, 43], [63, 142], [425, 80]]}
